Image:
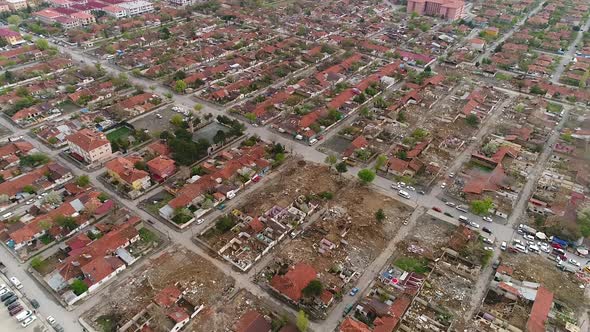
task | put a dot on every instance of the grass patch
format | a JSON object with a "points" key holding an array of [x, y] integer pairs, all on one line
{"points": [[46, 239], [147, 236], [155, 208], [503, 77], [121, 132], [411, 264], [554, 108]]}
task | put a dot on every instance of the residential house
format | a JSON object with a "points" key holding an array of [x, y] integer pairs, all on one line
{"points": [[161, 167], [89, 146], [447, 9], [291, 284], [97, 262], [252, 321], [11, 37], [137, 7], [122, 169]]}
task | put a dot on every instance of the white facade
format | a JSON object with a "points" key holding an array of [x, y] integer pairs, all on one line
{"points": [[100, 153], [137, 7]]}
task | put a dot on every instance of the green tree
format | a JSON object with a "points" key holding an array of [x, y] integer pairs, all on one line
{"points": [[219, 137], [331, 160], [78, 287], [36, 262], [83, 181], [341, 167], [198, 107], [314, 288], [140, 164], [34, 159], [380, 161], [250, 116], [52, 198], [45, 224], [481, 207], [103, 197], [380, 215], [68, 223], [366, 175], [224, 223], [535, 89], [29, 189], [14, 20], [180, 86], [302, 322], [472, 120], [584, 222], [177, 120], [42, 44]]}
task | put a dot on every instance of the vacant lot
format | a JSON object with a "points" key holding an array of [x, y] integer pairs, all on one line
{"points": [[348, 220], [531, 267], [203, 282]]}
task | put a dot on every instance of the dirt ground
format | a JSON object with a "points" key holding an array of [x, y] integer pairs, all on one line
{"points": [[224, 317], [203, 282], [539, 269], [349, 221], [428, 234]]}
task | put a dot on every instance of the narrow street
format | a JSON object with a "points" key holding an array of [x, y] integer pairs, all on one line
{"points": [[570, 54]]}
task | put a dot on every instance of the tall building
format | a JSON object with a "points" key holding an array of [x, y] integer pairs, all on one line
{"points": [[447, 9]]}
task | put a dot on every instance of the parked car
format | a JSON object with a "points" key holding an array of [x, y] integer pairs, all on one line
{"points": [[443, 185], [488, 219], [448, 215], [473, 224], [5, 296], [487, 230], [488, 248], [35, 304], [24, 315], [353, 291], [10, 300], [437, 209], [573, 262], [12, 306], [488, 240], [58, 328], [28, 321], [503, 246], [347, 309], [421, 192], [451, 204], [529, 237], [3, 291], [16, 310], [50, 320]]}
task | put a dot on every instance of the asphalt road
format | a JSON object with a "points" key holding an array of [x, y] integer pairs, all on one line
{"points": [[570, 54]]}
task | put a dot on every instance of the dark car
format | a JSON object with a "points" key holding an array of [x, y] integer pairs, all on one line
{"points": [[16, 310], [35, 304], [5, 296], [12, 306], [437, 209], [58, 328], [11, 300], [448, 214], [487, 230]]}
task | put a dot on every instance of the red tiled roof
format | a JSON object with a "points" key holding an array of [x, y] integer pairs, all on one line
{"points": [[252, 321], [159, 148], [503, 269], [167, 296], [540, 310], [88, 140], [352, 325], [125, 169], [292, 283], [99, 268]]}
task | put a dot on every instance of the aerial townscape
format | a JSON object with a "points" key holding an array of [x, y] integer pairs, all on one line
{"points": [[295, 165]]}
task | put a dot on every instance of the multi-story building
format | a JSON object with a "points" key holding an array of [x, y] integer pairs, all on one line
{"points": [[448, 9], [89, 146], [11, 37], [183, 2], [4, 7], [16, 4], [115, 11], [137, 7]]}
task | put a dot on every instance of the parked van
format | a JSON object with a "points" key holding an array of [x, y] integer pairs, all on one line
{"points": [[462, 208], [503, 246], [404, 194], [28, 321], [16, 282], [520, 248], [312, 141], [463, 219], [23, 315]]}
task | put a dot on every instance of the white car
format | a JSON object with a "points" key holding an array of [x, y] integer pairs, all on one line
{"points": [[528, 237], [410, 188], [488, 241], [50, 320], [545, 248], [443, 185], [573, 262], [488, 219], [488, 248], [28, 321], [452, 175], [473, 224], [159, 116], [451, 204], [200, 221]]}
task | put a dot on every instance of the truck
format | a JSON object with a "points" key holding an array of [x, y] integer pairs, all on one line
{"points": [[562, 243], [16, 282], [3, 268], [23, 315], [527, 229]]}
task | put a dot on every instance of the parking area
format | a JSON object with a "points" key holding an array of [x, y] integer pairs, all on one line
{"points": [[156, 121], [9, 323]]}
